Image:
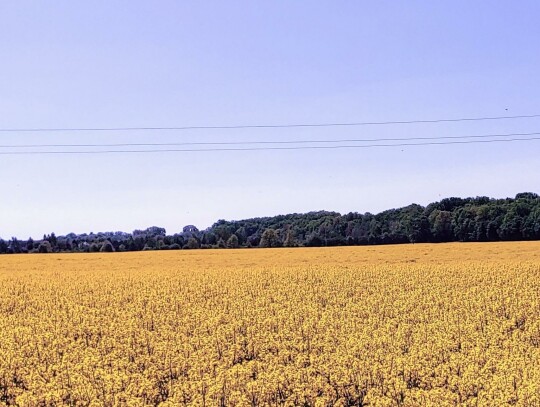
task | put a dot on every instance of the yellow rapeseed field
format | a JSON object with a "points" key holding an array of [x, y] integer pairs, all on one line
{"points": [[411, 325]]}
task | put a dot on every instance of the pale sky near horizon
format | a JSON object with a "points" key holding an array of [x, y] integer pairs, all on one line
{"points": [[68, 64]]}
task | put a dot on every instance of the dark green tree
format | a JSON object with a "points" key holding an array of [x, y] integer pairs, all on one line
{"points": [[289, 239], [232, 242], [269, 238], [45, 247], [107, 247], [192, 243]]}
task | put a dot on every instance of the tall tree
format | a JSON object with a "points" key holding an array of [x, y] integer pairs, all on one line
{"points": [[269, 238]]}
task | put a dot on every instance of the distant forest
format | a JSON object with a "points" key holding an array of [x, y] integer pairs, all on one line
{"points": [[479, 219]]}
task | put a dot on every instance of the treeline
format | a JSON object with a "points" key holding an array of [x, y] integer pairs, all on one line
{"points": [[479, 219]]}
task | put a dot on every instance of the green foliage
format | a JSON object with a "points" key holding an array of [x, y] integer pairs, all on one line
{"points": [[106, 247], [232, 242], [451, 219], [45, 247], [269, 239], [192, 243], [289, 239]]}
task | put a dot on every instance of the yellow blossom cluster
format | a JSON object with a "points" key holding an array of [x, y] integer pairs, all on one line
{"points": [[411, 325]]}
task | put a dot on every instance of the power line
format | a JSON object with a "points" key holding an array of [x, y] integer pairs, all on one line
{"points": [[265, 142], [267, 126], [265, 148]]}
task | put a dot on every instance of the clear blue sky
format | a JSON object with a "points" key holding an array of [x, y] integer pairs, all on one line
{"points": [[170, 63]]}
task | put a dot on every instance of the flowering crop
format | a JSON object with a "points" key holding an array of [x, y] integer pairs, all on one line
{"points": [[452, 324]]}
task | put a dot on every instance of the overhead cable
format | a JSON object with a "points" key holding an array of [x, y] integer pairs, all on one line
{"points": [[265, 142], [265, 148], [265, 126]]}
